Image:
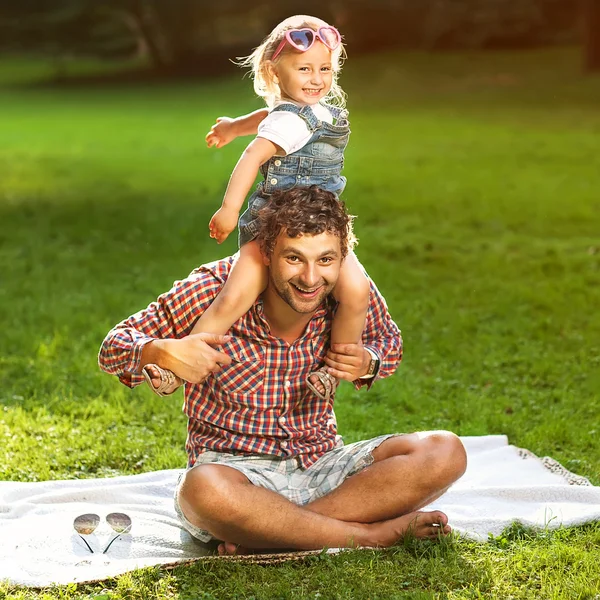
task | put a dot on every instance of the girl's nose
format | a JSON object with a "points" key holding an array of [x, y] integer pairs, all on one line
{"points": [[317, 77]]}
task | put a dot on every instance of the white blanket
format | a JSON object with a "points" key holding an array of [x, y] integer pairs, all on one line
{"points": [[38, 545]]}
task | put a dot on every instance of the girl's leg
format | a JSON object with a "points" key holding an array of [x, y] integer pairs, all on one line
{"points": [[352, 292], [247, 279]]}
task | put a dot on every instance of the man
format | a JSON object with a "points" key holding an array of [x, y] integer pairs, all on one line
{"points": [[266, 466]]}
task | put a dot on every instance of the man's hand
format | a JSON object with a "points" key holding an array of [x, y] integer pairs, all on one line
{"points": [[223, 222], [348, 361], [192, 358], [221, 133]]}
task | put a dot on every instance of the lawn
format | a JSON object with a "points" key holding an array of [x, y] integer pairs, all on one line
{"points": [[476, 183]]}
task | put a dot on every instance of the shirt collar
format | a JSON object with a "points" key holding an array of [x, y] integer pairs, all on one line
{"points": [[326, 307]]}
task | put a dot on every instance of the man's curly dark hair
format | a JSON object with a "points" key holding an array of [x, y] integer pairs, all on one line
{"points": [[304, 210]]}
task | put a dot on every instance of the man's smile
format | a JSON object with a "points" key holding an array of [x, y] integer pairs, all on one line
{"points": [[307, 294]]}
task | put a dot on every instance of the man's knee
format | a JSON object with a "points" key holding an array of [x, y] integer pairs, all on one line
{"points": [[206, 490], [439, 454], [447, 454]]}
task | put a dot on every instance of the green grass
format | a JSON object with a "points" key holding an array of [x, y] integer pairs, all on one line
{"points": [[475, 179]]}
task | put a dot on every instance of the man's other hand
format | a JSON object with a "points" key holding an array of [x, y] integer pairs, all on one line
{"points": [[192, 358], [348, 361]]}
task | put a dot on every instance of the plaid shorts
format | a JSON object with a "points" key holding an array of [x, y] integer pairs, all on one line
{"points": [[285, 477]]}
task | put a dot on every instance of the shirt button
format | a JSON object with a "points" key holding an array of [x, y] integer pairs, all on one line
{"points": [[281, 420], [284, 444], [277, 163], [273, 181], [287, 384]]}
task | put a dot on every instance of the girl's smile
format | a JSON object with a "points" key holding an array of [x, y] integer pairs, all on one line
{"points": [[305, 77]]}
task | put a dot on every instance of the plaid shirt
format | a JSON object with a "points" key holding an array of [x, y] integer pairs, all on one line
{"points": [[260, 404]]}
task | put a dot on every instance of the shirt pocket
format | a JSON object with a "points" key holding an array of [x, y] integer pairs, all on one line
{"points": [[243, 380]]}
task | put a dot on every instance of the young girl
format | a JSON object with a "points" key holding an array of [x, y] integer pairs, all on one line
{"points": [[300, 141]]}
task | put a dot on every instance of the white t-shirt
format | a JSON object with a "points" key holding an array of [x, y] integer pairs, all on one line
{"points": [[288, 130]]}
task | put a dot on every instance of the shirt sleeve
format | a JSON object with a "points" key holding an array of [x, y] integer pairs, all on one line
{"points": [[171, 316], [382, 337], [285, 129]]}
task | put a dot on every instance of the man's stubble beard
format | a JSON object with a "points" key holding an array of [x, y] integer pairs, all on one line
{"points": [[287, 295]]}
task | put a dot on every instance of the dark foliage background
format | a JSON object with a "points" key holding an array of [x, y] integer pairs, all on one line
{"points": [[190, 34]]}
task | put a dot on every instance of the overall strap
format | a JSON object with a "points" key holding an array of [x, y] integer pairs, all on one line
{"points": [[337, 112]]}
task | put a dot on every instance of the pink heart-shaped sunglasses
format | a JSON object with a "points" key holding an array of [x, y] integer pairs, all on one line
{"points": [[303, 39]]}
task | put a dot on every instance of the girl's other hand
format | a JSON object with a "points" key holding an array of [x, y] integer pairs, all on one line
{"points": [[221, 133], [223, 222]]}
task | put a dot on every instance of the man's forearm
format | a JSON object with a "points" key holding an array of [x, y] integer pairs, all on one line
{"points": [[382, 336], [151, 354], [121, 354]]}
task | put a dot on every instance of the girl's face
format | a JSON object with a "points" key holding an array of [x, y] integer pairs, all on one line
{"points": [[304, 77]]}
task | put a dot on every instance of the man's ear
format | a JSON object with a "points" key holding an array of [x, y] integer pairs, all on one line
{"points": [[266, 259]]}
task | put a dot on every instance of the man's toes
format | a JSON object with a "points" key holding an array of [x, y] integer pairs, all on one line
{"points": [[438, 517], [230, 549], [438, 529], [227, 549]]}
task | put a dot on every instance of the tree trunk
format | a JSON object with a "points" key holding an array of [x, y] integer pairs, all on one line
{"points": [[591, 34], [150, 27], [132, 24]]}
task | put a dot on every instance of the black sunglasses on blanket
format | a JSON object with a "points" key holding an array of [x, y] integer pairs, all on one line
{"points": [[86, 524]]}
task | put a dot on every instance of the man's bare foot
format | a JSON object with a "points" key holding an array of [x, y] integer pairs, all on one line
{"points": [[423, 525], [230, 549], [162, 381], [419, 524]]}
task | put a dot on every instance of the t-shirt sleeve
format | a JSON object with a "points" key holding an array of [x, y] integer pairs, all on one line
{"points": [[285, 129]]}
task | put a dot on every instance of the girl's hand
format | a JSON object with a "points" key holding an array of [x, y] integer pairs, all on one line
{"points": [[223, 222], [221, 133]]}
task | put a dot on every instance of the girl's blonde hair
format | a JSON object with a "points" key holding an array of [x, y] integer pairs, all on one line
{"points": [[265, 86]]}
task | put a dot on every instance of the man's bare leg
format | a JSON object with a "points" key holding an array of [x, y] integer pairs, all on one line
{"points": [[408, 472], [223, 501], [233, 509]]}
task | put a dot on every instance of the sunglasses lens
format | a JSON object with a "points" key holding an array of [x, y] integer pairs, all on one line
{"points": [[330, 37], [120, 522], [86, 524], [302, 39]]}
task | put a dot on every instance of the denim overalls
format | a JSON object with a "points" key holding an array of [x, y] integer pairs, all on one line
{"points": [[318, 162]]}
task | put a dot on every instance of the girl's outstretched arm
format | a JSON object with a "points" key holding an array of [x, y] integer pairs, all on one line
{"points": [[226, 129], [244, 174]]}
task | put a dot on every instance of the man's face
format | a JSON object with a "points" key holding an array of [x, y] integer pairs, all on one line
{"points": [[304, 270]]}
